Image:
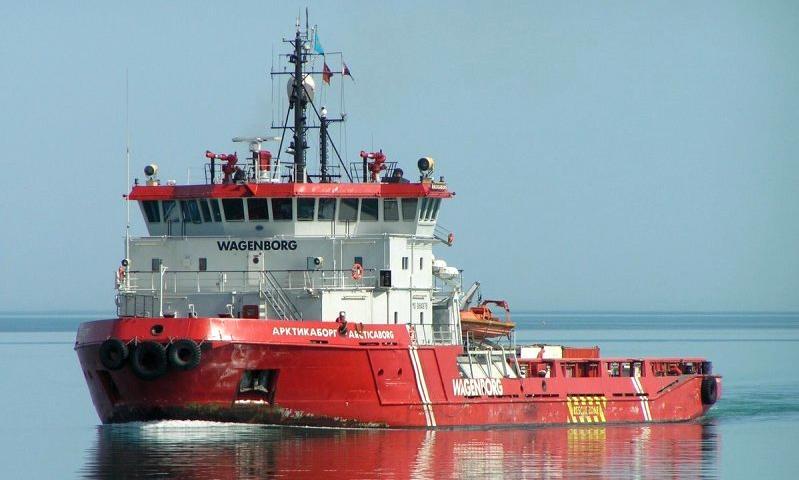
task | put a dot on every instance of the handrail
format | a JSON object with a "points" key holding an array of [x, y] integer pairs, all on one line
{"points": [[444, 235], [256, 175], [286, 308], [223, 281], [361, 169], [440, 336]]}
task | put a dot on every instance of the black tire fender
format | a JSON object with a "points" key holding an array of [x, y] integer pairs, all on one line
{"points": [[184, 354], [113, 353], [148, 360], [709, 390]]}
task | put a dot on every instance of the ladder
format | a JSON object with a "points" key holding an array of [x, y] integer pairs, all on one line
{"points": [[271, 290]]}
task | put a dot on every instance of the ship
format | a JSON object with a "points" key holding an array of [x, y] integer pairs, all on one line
{"points": [[279, 292]]}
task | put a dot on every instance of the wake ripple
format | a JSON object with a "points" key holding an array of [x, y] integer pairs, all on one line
{"points": [[767, 402]]}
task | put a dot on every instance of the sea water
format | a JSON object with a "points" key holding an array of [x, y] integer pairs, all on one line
{"points": [[48, 427]]}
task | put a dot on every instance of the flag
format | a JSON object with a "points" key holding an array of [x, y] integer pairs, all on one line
{"points": [[327, 74], [317, 46], [345, 70]]}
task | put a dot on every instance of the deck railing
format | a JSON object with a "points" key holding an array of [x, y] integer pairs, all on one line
{"points": [[434, 334], [281, 171], [242, 281]]}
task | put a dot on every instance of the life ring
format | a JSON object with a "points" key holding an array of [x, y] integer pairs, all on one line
{"points": [[450, 239], [121, 272], [357, 271], [709, 390], [184, 354], [113, 353], [148, 360]]}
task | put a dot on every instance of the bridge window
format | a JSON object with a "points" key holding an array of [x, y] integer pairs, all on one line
{"points": [[436, 205], [258, 209], [305, 208], [151, 211], [404, 263], [194, 210], [409, 209], [234, 209], [205, 210], [369, 210], [203, 266], [423, 209], [390, 210], [348, 212], [282, 209], [428, 206], [215, 209], [190, 211], [170, 212], [327, 209]]}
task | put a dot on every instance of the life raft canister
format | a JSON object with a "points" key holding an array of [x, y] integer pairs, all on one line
{"points": [[357, 271], [184, 354], [264, 160], [113, 353], [148, 360], [709, 390]]}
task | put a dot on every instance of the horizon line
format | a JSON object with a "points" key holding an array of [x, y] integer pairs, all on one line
{"points": [[521, 311]]}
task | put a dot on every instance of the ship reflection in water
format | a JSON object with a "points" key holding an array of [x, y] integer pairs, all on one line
{"points": [[205, 450]]}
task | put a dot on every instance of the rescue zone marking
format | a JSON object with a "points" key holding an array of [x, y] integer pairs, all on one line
{"points": [[586, 408]]}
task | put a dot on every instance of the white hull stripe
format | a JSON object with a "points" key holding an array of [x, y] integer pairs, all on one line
{"points": [[421, 384], [644, 400], [418, 376], [426, 398]]}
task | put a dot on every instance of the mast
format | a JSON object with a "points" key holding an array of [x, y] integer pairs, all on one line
{"points": [[323, 146], [127, 165], [300, 101], [300, 89]]}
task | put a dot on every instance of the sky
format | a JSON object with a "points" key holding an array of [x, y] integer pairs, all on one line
{"points": [[607, 156]]}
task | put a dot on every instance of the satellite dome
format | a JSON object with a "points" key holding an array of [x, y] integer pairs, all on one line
{"points": [[310, 85]]}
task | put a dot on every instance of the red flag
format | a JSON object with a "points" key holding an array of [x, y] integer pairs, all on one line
{"points": [[345, 70], [326, 74]]}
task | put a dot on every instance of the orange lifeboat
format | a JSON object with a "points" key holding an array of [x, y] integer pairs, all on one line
{"points": [[480, 322]]}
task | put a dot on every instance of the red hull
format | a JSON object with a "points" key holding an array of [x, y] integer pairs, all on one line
{"points": [[375, 377]]}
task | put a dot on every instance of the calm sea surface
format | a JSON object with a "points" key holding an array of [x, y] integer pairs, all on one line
{"points": [[49, 428]]}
